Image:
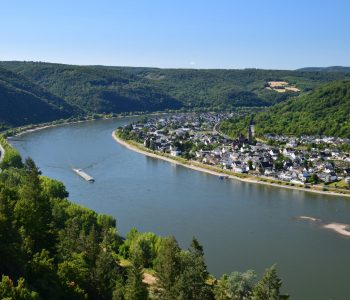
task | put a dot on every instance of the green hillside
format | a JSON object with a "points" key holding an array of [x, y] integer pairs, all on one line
{"points": [[23, 102], [118, 89], [323, 111]]}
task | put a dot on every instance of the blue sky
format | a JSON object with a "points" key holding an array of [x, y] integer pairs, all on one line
{"points": [[177, 33]]}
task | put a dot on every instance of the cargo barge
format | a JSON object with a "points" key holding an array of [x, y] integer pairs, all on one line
{"points": [[83, 175]]}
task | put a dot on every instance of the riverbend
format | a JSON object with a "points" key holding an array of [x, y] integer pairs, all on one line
{"points": [[241, 225]]}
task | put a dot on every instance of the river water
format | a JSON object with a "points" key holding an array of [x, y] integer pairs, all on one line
{"points": [[241, 226]]}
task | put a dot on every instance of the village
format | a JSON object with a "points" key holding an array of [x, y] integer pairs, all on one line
{"points": [[305, 160]]}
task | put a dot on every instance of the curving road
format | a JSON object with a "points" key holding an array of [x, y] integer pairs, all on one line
{"points": [[2, 154], [216, 131]]}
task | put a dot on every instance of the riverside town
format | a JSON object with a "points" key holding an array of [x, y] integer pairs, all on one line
{"points": [[299, 161]]}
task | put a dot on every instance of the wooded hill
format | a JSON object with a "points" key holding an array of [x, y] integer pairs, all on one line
{"points": [[324, 111], [23, 102], [103, 89]]}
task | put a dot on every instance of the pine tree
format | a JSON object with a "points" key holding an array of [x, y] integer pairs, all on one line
{"points": [[8, 290], [119, 289], [194, 274], [268, 288], [105, 273], [135, 288], [168, 268]]}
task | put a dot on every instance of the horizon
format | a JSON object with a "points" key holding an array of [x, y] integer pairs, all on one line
{"points": [[170, 68], [181, 35]]}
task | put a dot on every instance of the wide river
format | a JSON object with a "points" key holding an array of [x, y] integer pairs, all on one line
{"points": [[241, 226]]}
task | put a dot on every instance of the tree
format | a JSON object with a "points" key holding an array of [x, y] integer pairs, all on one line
{"points": [[11, 242], [221, 288], [194, 274], [168, 267], [33, 211], [11, 159], [41, 274], [268, 288], [119, 289], [75, 276], [53, 188], [105, 273], [8, 290], [314, 178], [135, 288], [241, 285]]}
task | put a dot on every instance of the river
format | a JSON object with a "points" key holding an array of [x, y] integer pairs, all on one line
{"points": [[241, 225]]}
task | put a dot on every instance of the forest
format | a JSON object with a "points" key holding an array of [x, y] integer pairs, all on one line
{"points": [[104, 89], [23, 102], [324, 111], [52, 248]]}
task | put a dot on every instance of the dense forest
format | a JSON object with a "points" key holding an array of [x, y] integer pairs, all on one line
{"points": [[103, 89], [23, 102], [51, 248], [324, 111]]}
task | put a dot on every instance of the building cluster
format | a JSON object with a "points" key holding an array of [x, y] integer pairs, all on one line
{"points": [[195, 137]]}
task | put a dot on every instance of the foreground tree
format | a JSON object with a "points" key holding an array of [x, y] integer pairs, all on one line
{"points": [[168, 268], [268, 288], [236, 286], [193, 278], [241, 285], [221, 289], [8, 290], [135, 288], [105, 273]]}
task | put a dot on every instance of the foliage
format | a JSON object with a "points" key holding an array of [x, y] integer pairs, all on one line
{"points": [[135, 288], [324, 111], [53, 188], [24, 102], [11, 157], [8, 290], [236, 126], [102, 89], [268, 288], [241, 286]]}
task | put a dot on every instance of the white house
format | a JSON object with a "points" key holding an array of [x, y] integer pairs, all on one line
{"points": [[175, 152]]}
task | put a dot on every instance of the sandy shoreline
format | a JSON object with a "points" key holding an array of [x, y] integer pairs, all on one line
{"points": [[41, 127], [339, 228], [202, 169], [309, 218], [38, 128]]}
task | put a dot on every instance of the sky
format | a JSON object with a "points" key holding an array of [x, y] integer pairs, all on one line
{"points": [[226, 34]]}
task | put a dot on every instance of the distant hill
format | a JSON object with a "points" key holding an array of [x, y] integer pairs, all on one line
{"points": [[119, 89], [326, 111], [326, 69], [23, 102]]}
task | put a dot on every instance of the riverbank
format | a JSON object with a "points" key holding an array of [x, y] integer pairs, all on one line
{"points": [[18, 131], [25, 130], [132, 145]]}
